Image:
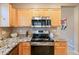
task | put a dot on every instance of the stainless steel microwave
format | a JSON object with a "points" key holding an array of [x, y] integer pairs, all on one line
{"points": [[41, 22]]}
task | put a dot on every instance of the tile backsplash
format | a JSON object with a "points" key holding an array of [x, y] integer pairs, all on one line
{"points": [[21, 30]]}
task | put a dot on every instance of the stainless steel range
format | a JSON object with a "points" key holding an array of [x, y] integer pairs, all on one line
{"points": [[40, 35], [41, 43]]}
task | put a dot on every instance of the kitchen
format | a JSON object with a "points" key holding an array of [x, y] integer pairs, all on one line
{"points": [[37, 29]]}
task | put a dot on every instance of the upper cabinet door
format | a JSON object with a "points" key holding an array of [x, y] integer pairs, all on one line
{"points": [[21, 17], [12, 16], [14, 20], [24, 17], [4, 20], [40, 12], [55, 15]]}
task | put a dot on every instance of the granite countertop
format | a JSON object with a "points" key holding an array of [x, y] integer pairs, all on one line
{"points": [[10, 43], [59, 39]]}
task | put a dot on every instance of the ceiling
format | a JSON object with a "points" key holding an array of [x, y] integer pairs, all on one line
{"points": [[43, 5]]}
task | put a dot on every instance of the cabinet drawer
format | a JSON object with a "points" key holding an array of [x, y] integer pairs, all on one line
{"points": [[26, 47], [25, 43], [63, 44]]}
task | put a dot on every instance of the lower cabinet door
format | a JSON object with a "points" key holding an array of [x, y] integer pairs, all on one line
{"points": [[24, 48], [60, 51], [60, 48]]}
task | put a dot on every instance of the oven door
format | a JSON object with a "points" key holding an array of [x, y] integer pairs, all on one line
{"points": [[42, 50]]}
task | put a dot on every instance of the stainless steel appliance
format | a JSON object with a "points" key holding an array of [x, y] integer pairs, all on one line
{"points": [[41, 21], [41, 44], [42, 50], [40, 35]]}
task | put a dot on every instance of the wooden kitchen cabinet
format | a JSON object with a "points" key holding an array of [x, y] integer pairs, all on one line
{"points": [[7, 15], [14, 51], [55, 15], [24, 17], [13, 16], [24, 48], [60, 48], [40, 12]]}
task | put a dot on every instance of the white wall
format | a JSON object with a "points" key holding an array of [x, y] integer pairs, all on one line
{"points": [[68, 34], [0, 12], [76, 28]]}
